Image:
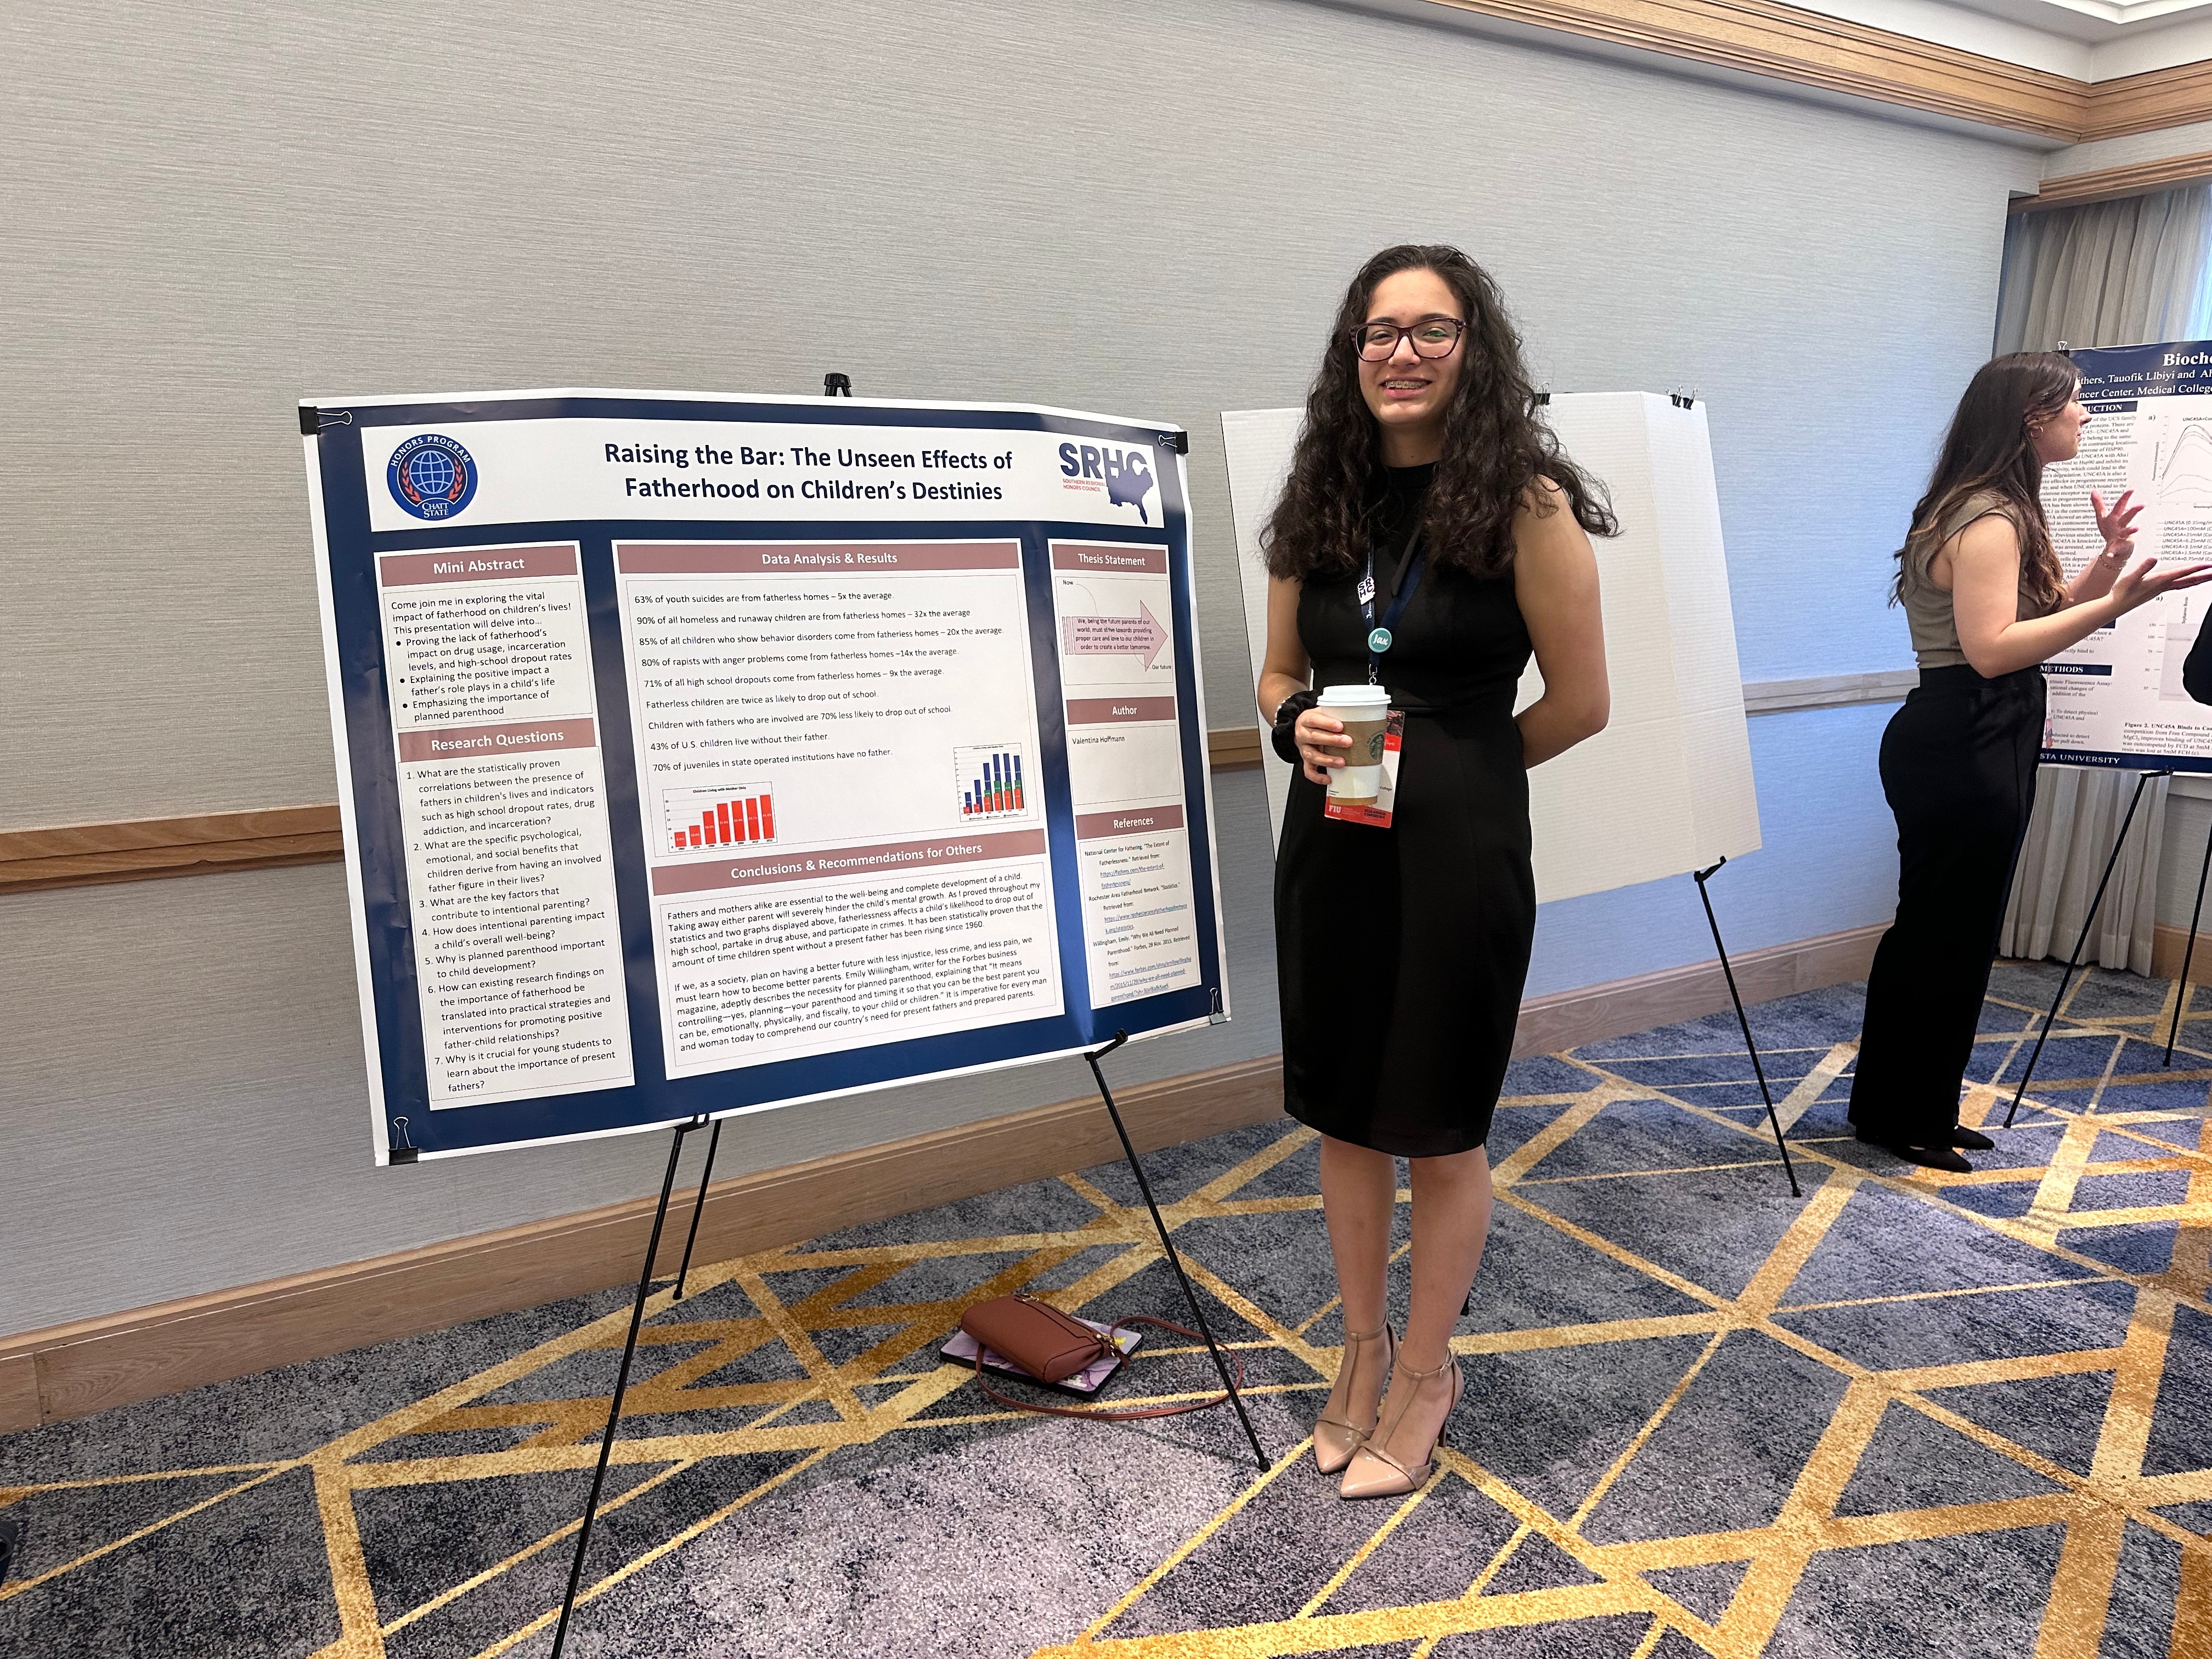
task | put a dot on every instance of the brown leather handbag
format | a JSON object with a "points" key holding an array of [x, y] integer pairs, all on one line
{"points": [[1051, 1345]]}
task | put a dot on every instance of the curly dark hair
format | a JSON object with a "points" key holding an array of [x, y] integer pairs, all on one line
{"points": [[1495, 448]]}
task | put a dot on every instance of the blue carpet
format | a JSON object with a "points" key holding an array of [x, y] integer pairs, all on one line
{"points": [[1907, 1413]]}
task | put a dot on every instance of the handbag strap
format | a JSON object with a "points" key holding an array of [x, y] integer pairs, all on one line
{"points": [[1121, 1414]]}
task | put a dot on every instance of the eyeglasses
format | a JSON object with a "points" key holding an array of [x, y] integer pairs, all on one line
{"points": [[1433, 336]]}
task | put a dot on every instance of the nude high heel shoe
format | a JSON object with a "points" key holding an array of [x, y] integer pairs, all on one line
{"points": [[1373, 1472], [1335, 1438]]}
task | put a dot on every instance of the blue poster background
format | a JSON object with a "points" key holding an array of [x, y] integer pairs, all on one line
{"points": [[654, 1099]]}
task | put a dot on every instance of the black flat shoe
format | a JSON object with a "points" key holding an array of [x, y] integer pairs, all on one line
{"points": [[1972, 1140], [1930, 1158]]}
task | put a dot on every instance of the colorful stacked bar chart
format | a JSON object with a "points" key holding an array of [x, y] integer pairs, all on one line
{"points": [[992, 783], [737, 820]]}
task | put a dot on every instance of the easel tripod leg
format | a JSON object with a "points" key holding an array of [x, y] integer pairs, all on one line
{"points": [[698, 1209], [2181, 991], [1174, 1260], [622, 1383], [2080, 943], [1744, 1020]]}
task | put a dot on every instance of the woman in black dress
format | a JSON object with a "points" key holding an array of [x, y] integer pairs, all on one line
{"points": [[1986, 602], [1430, 535]]}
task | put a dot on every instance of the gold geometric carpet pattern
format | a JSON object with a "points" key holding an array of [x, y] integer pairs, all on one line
{"points": [[2023, 1353]]}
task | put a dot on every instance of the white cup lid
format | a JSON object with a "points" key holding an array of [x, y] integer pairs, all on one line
{"points": [[1355, 696]]}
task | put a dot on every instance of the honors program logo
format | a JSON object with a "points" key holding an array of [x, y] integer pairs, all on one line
{"points": [[431, 475], [1126, 475]]}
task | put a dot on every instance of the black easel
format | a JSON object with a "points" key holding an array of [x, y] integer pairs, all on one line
{"points": [[833, 385], [2181, 993], [698, 1209], [1767, 1094], [630, 1352], [2089, 922], [1167, 1245]]}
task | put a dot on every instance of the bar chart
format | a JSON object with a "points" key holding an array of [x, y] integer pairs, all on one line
{"points": [[989, 780], [733, 817]]}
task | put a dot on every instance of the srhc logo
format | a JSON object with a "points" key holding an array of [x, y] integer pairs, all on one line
{"points": [[1125, 472], [431, 475]]}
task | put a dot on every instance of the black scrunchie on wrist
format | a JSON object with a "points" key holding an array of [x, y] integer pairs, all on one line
{"points": [[1283, 736]]}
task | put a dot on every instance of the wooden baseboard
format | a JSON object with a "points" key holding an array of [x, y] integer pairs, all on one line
{"points": [[92, 1365], [18, 1392], [88, 1365], [2168, 943], [1566, 1019]]}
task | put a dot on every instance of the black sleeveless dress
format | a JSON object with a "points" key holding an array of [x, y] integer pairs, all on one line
{"points": [[1400, 953]]}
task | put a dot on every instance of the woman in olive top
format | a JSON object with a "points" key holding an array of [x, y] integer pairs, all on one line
{"points": [[1987, 604]]}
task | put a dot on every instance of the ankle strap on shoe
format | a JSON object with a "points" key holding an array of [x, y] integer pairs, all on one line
{"points": [[1367, 1336], [1450, 1360]]}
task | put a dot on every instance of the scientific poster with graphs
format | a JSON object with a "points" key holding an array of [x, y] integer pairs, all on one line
{"points": [[704, 754], [2115, 699]]}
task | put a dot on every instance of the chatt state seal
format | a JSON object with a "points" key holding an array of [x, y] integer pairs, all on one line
{"points": [[431, 475]]}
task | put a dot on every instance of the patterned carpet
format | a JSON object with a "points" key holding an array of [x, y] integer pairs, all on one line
{"points": [[1907, 1414]]}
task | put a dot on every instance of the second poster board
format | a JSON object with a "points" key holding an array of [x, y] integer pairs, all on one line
{"points": [[2115, 699], [1667, 787]]}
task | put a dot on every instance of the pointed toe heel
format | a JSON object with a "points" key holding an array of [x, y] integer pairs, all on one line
{"points": [[1335, 1445], [1375, 1474], [1337, 1439]]}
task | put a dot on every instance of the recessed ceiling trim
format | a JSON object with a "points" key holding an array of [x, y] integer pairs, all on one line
{"points": [[2108, 184], [1787, 43]]}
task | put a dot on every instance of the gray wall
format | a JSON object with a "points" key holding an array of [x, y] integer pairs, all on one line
{"points": [[214, 211]]}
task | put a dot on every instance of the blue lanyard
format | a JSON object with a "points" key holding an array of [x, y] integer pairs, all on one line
{"points": [[1409, 578]]}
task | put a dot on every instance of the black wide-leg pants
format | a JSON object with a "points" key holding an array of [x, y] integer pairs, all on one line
{"points": [[1958, 766]]}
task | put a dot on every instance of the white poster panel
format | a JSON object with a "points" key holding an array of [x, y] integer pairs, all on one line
{"points": [[1667, 787]]}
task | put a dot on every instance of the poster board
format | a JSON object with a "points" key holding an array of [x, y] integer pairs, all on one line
{"points": [[700, 755], [2115, 699], [1666, 787]]}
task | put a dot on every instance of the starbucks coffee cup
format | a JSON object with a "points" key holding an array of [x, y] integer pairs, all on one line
{"points": [[1365, 712]]}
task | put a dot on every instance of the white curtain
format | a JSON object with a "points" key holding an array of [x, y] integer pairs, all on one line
{"points": [[2128, 272], [2078, 812]]}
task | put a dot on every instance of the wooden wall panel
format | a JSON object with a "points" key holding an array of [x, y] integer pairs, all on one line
{"points": [[86, 855], [143, 849]]}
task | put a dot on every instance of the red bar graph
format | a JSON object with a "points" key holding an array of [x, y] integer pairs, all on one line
{"points": [[739, 820]]}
